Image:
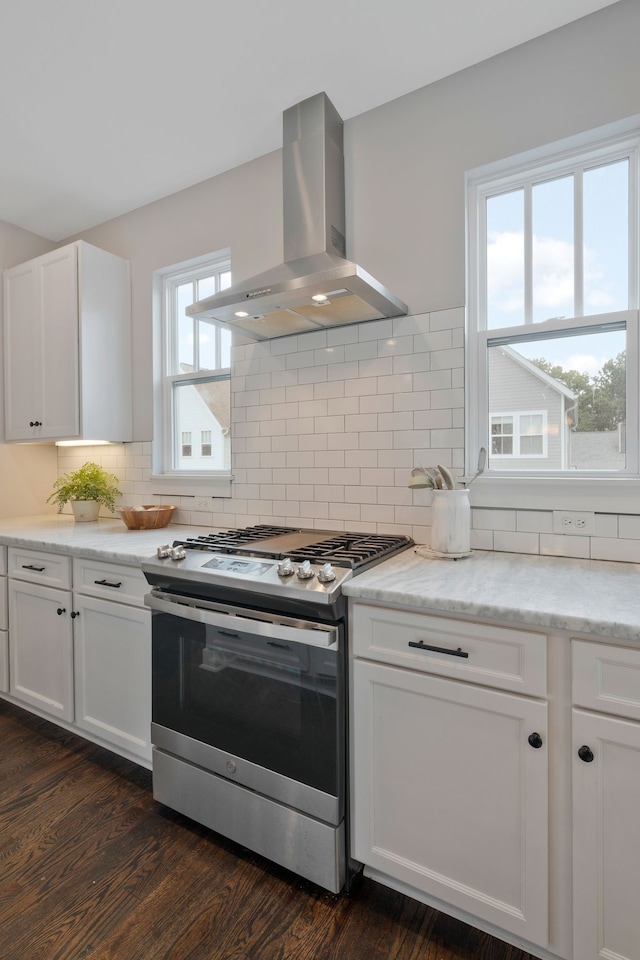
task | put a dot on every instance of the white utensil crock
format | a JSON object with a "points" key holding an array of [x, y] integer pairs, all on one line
{"points": [[450, 521]]}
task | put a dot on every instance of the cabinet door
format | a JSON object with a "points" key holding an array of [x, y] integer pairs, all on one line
{"points": [[40, 648], [112, 643], [450, 797], [41, 348], [21, 350], [606, 837], [59, 382]]}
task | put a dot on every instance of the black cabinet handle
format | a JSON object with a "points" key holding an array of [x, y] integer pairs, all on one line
{"points": [[280, 646], [105, 583], [535, 740], [35, 423], [61, 610], [30, 566], [585, 754], [74, 614], [421, 645]]}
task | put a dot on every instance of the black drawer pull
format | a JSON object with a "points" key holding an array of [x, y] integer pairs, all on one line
{"points": [[229, 633], [105, 583], [30, 566], [421, 645], [280, 646]]}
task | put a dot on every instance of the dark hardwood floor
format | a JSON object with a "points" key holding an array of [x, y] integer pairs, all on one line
{"points": [[91, 866]]}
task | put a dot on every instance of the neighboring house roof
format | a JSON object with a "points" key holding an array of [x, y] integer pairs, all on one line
{"points": [[556, 385], [218, 401]]}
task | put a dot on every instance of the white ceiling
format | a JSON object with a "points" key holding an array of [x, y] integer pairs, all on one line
{"points": [[109, 104]]}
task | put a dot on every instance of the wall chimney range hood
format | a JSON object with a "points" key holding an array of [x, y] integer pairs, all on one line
{"points": [[316, 287]]}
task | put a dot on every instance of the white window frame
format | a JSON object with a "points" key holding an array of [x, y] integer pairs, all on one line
{"points": [[516, 417], [165, 477], [550, 489]]}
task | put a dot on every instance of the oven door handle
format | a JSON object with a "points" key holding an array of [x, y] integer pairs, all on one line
{"points": [[305, 631]]}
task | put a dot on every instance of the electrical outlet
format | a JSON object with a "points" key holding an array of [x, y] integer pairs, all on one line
{"points": [[575, 523], [203, 503]]}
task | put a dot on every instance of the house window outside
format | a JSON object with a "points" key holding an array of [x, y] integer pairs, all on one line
{"points": [[196, 383], [519, 434], [553, 311]]}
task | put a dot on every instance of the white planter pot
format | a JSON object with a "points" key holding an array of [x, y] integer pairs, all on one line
{"points": [[85, 509], [450, 521]]}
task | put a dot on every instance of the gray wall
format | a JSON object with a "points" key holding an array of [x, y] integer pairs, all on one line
{"points": [[405, 165]]}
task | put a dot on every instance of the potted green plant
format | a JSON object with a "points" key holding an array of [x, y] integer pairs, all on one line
{"points": [[86, 489]]}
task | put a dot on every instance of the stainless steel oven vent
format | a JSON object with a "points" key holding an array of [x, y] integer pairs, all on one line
{"points": [[316, 286]]}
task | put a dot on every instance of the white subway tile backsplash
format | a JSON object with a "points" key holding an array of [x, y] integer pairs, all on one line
{"points": [[606, 525], [556, 545], [603, 548], [493, 519], [412, 363], [396, 346], [327, 426], [508, 542], [628, 527], [367, 350], [535, 521]]}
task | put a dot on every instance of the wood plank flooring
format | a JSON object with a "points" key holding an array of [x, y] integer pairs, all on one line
{"points": [[91, 867]]}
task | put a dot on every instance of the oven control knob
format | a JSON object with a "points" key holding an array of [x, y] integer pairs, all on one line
{"points": [[326, 573], [285, 568], [177, 553], [163, 552], [304, 570]]}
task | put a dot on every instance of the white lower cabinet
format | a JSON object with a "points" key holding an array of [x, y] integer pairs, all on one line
{"points": [[41, 648], [113, 673], [606, 803], [450, 797], [80, 647], [4, 623], [450, 778]]}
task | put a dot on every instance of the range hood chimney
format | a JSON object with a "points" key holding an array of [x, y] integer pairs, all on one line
{"points": [[316, 287]]}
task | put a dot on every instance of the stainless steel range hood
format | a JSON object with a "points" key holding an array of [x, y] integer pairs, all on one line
{"points": [[316, 286]]}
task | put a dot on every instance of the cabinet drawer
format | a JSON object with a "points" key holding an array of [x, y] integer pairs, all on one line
{"points": [[113, 581], [478, 653], [50, 569], [4, 661], [606, 678]]}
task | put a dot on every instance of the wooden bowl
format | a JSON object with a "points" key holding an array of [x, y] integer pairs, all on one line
{"points": [[149, 516]]}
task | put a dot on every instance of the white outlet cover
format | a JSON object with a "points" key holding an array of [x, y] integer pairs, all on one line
{"points": [[574, 523]]}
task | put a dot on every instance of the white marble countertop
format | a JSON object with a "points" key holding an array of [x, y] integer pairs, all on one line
{"points": [[594, 597], [103, 539]]}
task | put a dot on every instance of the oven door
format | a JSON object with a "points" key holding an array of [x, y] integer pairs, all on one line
{"points": [[252, 697]]}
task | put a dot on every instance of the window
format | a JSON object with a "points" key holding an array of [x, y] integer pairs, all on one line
{"points": [[196, 391], [519, 434], [553, 311]]}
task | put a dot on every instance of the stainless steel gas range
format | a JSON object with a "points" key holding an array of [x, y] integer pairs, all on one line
{"points": [[249, 684]]}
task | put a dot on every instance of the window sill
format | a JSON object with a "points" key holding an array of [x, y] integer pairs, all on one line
{"points": [[193, 485], [594, 494]]}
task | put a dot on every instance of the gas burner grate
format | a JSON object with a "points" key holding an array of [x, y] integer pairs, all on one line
{"points": [[232, 538], [352, 549]]}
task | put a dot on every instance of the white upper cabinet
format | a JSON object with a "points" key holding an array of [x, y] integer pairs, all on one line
{"points": [[67, 346]]}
